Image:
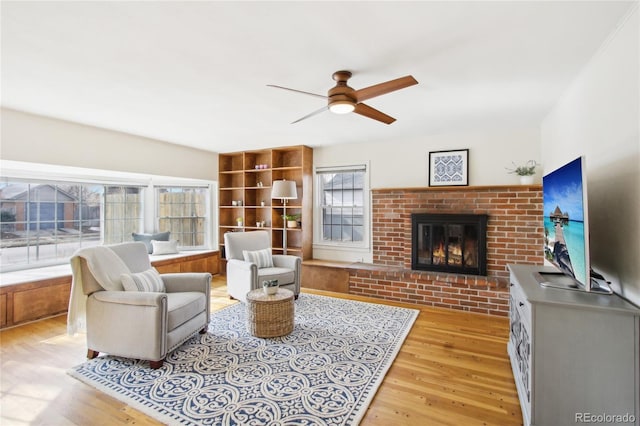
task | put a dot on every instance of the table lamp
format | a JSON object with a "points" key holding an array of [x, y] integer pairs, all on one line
{"points": [[284, 190]]}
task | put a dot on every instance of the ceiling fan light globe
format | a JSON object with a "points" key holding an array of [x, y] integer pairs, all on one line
{"points": [[342, 107]]}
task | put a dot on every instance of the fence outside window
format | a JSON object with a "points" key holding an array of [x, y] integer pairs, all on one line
{"points": [[183, 212], [44, 222]]}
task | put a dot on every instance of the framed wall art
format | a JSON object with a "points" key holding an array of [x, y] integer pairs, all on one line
{"points": [[449, 168]]}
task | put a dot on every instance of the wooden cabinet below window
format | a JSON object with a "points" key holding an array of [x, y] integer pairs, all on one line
{"points": [[204, 262], [31, 301]]}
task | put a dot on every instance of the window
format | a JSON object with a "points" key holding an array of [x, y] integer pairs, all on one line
{"points": [[48, 212], [122, 213], [341, 193], [44, 222], [183, 211]]}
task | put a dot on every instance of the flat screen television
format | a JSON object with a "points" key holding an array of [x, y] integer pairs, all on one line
{"points": [[566, 227]]}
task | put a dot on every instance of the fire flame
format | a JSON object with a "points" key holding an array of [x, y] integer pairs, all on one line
{"points": [[440, 255]]}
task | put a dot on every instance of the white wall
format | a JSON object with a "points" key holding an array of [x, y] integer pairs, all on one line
{"points": [[404, 163], [599, 117], [37, 139]]}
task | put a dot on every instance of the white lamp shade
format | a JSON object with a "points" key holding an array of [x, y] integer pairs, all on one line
{"points": [[284, 189]]}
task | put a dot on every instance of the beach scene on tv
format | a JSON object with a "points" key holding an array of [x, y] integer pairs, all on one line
{"points": [[564, 221]]}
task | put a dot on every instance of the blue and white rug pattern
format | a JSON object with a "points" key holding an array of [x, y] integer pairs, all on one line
{"points": [[324, 373]]}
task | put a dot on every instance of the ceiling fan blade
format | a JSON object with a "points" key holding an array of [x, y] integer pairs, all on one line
{"points": [[383, 88], [297, 91], [324, 108], [369, 112]]}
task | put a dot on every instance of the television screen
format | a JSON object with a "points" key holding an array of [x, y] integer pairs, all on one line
{"points": [[566, 231]]}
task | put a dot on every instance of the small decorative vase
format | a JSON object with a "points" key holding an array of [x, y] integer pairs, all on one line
{"points": [[270, 287], [526, 180], [292, 224]]}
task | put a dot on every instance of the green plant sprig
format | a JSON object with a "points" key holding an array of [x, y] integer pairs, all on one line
{"points": [[529, 169], [290, 216]]}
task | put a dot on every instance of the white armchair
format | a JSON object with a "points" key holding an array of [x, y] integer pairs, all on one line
{"points": [[138, 324], [244, 276]]}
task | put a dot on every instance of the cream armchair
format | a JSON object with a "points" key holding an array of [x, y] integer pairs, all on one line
{"points": [[246, 275], [135, 324]]}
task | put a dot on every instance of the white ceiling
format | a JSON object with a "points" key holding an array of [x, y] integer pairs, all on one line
{"points": [[195, 73]]}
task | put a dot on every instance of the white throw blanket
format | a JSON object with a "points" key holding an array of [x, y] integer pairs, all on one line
{"points": [[106, 267]]}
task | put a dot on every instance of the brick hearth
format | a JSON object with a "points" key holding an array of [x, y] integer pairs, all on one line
{"points": [[514, 235]]}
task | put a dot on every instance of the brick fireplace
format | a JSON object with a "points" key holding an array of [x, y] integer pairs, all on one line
{"points": [[514, 234]]}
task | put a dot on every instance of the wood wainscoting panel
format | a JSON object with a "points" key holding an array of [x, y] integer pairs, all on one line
{"points": [[199, 265], [169, 268], [3, 310], [325, 275], [45, 300], [201, 262]]}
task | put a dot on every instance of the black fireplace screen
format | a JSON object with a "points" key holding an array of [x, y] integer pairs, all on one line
{"points": [[449, 243]]}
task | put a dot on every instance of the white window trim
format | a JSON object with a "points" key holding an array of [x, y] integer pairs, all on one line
{"points": [[318, 242]]}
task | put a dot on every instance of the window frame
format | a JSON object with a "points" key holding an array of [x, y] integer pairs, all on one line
{"points": [[35, 173], [208, 219], [140, 219], [318, 241]]}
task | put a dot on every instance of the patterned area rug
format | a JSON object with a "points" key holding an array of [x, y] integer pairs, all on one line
{"points": [[324, 373]]}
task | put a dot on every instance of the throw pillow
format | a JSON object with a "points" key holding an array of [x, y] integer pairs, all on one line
{"points": [[149, 281], [164, 247], [146, 239], [262, 258]]}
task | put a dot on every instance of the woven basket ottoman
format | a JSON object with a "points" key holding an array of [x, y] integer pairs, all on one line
{"points": [[270, 315]]}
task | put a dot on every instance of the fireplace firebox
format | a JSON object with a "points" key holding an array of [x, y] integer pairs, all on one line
{"points": [[453, 243]]}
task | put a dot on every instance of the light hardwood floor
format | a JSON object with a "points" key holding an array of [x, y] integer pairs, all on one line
{"points": [[453, 369]]}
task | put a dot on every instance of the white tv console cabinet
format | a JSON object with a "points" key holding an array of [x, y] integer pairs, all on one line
{"points": [[575, 355]]}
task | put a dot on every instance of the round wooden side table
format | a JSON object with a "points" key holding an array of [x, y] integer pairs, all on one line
{"points": [[270, 315]]}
